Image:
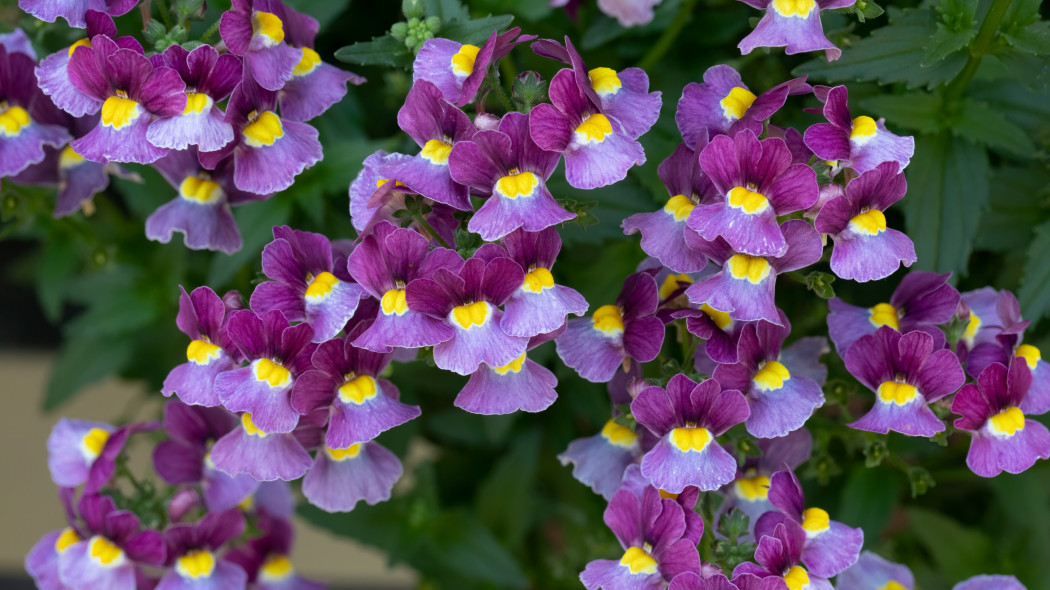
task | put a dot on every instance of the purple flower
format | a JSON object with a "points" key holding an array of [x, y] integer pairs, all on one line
{"points": [[718, 330], [792, 25], [75, 11], [778, 556], [920, 302], [132, 92], [267, 559], [988, 313], [636, 483], [202, 317], [906, 374], [597, 346], [41, 562], [539, 305], [599, 461], [744, 288], [511, 170], [307, 285], [264, 456], [209, 79], [193, 553], [1003, 438], [860, 143], [458, 69], [723, 104], [781, 397], [18, 42], [759, 183], [28, 121], [651, 530], [521, 384], [629, 13], [664, 231], [254, 30], [340, 478], [865, 249], [597, 149], [436, 126], [873, 572], [82, 452], [830, 546], [687, 417], [468, 302], [990, 582]]}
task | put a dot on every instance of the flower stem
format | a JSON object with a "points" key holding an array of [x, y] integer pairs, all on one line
{"points": [[206, 37], [980, 47], [667, 39], [422, 221]]}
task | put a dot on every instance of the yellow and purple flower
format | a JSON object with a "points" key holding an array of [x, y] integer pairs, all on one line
{"points": [[599, 461], [75, 11], [865, 248], [202, 317], [539, 305], [906, 373], [342, 477], [41, 562], [1004, 439], [522, 384], [874, 572], [28, 120], [83, 452], [265, 456], [778, 556], [862, 143], [792, 24], [193, 553], [458, 69], [253, 30]]}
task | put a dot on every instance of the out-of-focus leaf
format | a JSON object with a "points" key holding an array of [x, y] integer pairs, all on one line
{"points": [[476, 31], [470, 551], [868, 498], [381, 51], [256, 221], [530, 11], [1029, 109], [958, 551], [447, 10], [325, 12], [981, 123], [82, 361], [1034, 38], [890, 54], [920, 111], [1034, 295], [944, 43], [947, 192], [511, 483], [57, 262], [603, 30], [1016, 206]]}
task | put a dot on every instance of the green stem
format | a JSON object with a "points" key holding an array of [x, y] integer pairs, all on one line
{"points": [[670, 34], [501, 94], [980, 47], [122, 470], [206, 37], [421, 220], [165, 14]]}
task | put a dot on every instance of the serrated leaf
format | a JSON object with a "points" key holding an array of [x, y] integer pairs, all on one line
{"points": [[944, 43], [981, 123], [947, 191], [83, 361], [1034, 294], [380, 51], [920, 111], [890, 54], [1034, 39], [868, 10], [477, 30]]}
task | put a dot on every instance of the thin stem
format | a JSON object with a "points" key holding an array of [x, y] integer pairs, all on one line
{"points": [[670, 34], [165, 14], [501, 94], [122, 469], [206, 37], [421, 220], [980, 47]]}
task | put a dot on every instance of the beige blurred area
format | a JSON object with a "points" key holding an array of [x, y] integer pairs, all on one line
{"points": [[30, 507]]}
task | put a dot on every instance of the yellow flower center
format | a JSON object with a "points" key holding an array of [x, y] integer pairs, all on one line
{"points": [[13, 119], [250, 427], [752, 488], [893, 585], [321, 285], [537, 279], [690, 439], [638, 561], [463, 60], [608, 320], [436, 151], [471, 314], [604, 81], [196, 564], [771, 376], [971, 329], [202, 190], [1030, 354], [202, 352], [271, 372], [864, 128], [753, 268], [69, 158], [796, 578], [513, 366], [394, 302], [94, 441], [343, 454], [679, 206], [120, 111], [815, 520], [736, 103], [618, 434], [268, 25], [196, 103], [105, 552], [1007, 422], [870, 222], [898, 393], [358, 390], [885, 314], [79, 43], [517, 184], [720, 318], [262, 129], [65, 539], [307, 63], [672, 283], [276, 568], [749, 201], [593, 129]]}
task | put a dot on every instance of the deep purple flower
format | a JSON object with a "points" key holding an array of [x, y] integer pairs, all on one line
{"points": [[597, 346], [28, 120], [744, 288], [539, 305], [758, 183], [75, 11], [132, 92], [990, 582], [597, 149], [253, 30], [830, 546], [522, 384], [651, 530], [267, 558], [778, 556], [873, 572], [636, 483], [687, 417], [792, 25], [268, 151], [599, 461], [202, 317], [920, 302], [265, 456], [1003, 438], [193, 553], [458, 69], [18, 42], [865, 249], [340, 478], [511, 170], [861, 143], [906, 374], [723, 104]]}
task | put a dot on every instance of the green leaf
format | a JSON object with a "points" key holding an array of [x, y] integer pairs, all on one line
{"points": [[958, 551], [1016, 207], [944, 43], [981, 123], [868, 499], [511, 483], [920, 111], [447, 10], [890, 54], [1034, 295], [380, 51], [57, 262], [820, 284], [1034, 39], [476, 31], [947, 192], [603, 30], [256, 221], [82, 361]]}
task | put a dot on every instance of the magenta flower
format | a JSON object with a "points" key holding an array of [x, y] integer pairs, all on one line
{"points": [[202, 317], [795, 26], [778, 556], [193, 553], [599, 461], [340, 478], [265, 456], [874, 571], [254, 30], [28, 120], [539, 305], [861, 143], [75, 11], [267, 559], [522, 384], [458, 69]]}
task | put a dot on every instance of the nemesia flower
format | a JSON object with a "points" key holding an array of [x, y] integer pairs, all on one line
{"points": [[759, 183], [192, 553], [861, 143], [539, 305], [990, 582], [719, 332], [597, 150], [268, 150], [599, 461], [687, 417], [307, 285], [723, 104], [597, 346], [75, 11], [41, 563], [375, 198], [830, 546], [793, 25], [663, 231], [340, 478], [865, 249], [629, 13], [184, 458], [1003, 438], [267, 560], [253, 30], [83, 452], [778, 556], [511, 170], [873, 572], [108, 554], [265, 456], [920, 302], [744, 288], [202, 317], [651, 531], [277, 354], [749, 491], [209, 79], [906, 374], [521, 384], [28, 120], [18, 42], [781, 397], [468, 300], [636, 483], [458, 69]]}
